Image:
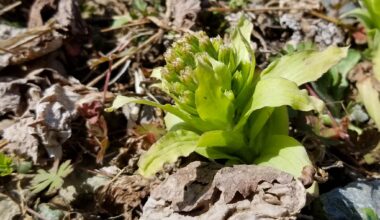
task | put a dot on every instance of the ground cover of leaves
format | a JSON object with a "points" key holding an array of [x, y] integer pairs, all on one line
{"points": [[62, 62]]}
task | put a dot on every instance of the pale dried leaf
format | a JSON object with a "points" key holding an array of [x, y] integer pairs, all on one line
{"points": [[54, 113], [43, 38], [204, 191], [124, 195], [185, 12], [20, 139]]}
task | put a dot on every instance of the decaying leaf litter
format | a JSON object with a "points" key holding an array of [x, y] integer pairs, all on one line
{"points": [[63, 62]]}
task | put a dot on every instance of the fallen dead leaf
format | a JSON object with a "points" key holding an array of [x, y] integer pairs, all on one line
{"points": [[44, 37], [185, 12], [54, 113], [20, 139], [206, 191], [124, 195]]}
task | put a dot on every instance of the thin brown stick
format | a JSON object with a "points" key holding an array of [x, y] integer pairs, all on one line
{"points": [[129, 24], [126, 57], [9, 7], [257, 10], [106, 83], [330, 19], [36, 214]]}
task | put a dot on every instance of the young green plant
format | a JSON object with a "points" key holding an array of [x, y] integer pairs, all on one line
{"points": [[225, 109], [369, 15]]}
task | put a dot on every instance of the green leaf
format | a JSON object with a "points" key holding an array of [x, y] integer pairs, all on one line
{"points": [[284, 153], [258, 119], [370, 214], [376, 63], [215, 153], [269, 121], [305, 66], [193, 121], [52, 179], [370, 98], [276, 92], [168, 149], [222, 142], [212, 103], [222, 138], [241, 37], [119, 21], [65, 169], [333, 85], [5, 165], [373, 7], [140, 5], [363, 15]]}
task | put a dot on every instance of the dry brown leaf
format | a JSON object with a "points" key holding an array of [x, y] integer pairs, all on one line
{"points": [[20, 139], [13, 94], [185, 12], [44, 37], [124, 195], [35, 15], [54, 113], [204, 191], [18, 94], [29, 45]]}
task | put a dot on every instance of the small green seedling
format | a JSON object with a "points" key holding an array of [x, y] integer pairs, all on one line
{"points": [[5, 165], [52, 179], [224, 109], [369, 15]]}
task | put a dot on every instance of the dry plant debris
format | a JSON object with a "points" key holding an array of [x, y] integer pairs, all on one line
{"points": [[62, 62], [209, 191]]}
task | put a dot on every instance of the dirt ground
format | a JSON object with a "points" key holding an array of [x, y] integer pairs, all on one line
{"points": [[63, 62]]}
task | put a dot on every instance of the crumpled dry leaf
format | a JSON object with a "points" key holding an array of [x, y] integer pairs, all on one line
{"points": [[29, 45], [124, 195], [54, 113], [204, 191], [20, 139], [9, 209], [368, 89], [18, 94], [45, 102], [185, 12], [35, 15], [42, 38], [311, 4], [12, 95]]}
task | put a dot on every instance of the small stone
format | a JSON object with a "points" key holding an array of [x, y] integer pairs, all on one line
{"points": [[348, 202]]}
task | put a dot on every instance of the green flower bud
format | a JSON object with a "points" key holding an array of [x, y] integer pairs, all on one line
{"points": [[206, 46], [177, 88], [229, 94], [169, 76], [188, 98], [225, 54], [217, 42], [188, 79]]}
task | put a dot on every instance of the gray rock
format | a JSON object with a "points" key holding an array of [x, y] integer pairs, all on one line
{"points": [[9, 209], [348, 202]]}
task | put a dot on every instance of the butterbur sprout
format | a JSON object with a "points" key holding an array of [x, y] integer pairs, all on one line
{"points": [[224, 109]]}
